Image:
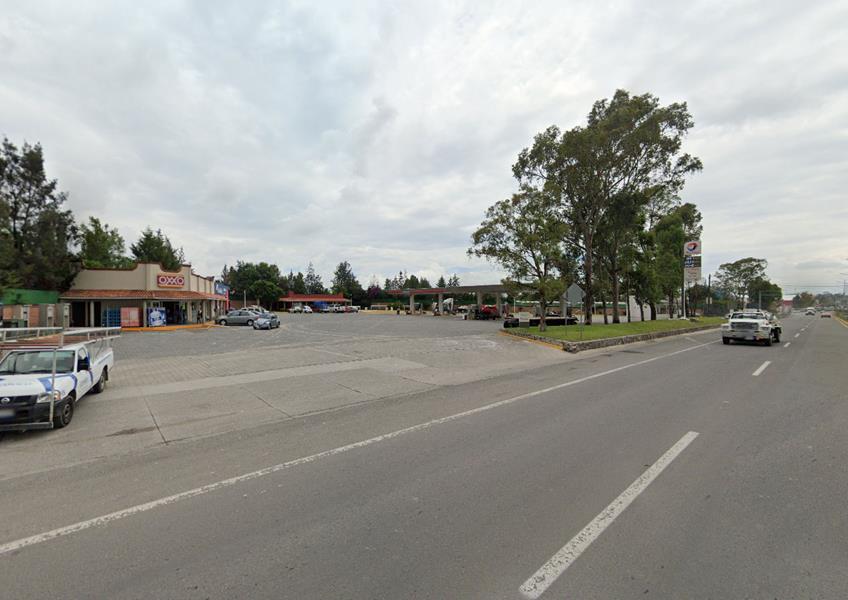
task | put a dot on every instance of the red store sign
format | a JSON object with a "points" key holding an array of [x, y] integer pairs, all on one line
{"points": [[165, 280]]}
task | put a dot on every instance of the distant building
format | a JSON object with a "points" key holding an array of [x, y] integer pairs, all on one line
{"points": [[32, 308], [313, 300]]}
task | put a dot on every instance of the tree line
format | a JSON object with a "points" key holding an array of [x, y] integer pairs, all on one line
{"points": [[744, 283], [42, 246], [599, 204], [266, 283]]}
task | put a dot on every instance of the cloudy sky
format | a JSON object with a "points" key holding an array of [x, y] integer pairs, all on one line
{"points": [[379, 132]]}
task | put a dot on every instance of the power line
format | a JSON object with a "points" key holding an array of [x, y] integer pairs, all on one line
{"points": [[810, 285]]}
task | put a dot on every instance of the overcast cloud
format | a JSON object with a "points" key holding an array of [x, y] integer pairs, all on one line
{"points": [[379, 132]]}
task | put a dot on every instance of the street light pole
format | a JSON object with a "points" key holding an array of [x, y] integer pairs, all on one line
{"points": [[844, 288]]}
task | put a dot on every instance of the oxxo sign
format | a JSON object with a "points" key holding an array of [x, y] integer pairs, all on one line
{"points": [[166, 280]]}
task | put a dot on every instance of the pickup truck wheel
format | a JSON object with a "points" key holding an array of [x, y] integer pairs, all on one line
{"points": [[768, 341], [725, 341], [776, 337], [101, 383], [64, 415], [250, 322]]}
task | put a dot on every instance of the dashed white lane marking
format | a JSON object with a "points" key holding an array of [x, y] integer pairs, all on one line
{"points": [[211, 487], [565, 557], [786, 345], [762, 368], [797, 335]]}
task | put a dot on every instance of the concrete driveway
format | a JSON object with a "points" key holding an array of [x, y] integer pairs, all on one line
{"points": [[181, 385]]}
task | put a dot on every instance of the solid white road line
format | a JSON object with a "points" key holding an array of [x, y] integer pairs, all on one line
{"points": [[762, 368], [565, 557], [786, 345], [211, 487], [797, 335]]}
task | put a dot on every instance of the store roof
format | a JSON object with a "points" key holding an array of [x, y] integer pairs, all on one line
{"points": [[138, 295], [492, 288]]}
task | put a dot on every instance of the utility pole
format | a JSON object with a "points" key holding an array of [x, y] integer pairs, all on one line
{"points": [[844, 289], [709, 299]]}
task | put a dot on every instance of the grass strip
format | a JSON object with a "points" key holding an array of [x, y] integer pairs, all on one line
{"points": [[599, 331]]}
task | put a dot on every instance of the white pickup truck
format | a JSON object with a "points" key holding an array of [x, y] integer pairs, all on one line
{"points": [[41, 381], [753, 326]]}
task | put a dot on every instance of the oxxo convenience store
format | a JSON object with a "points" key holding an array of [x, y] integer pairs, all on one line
{"points": [[144, 296]]}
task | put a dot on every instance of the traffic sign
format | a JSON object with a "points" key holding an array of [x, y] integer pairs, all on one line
{"points": [[574, 294], [692, 248]]}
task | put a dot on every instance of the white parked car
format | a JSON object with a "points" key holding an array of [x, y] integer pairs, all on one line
{"points": [[307, 310]]}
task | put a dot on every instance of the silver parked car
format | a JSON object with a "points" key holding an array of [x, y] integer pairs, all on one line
{"points": [[238, 317], [266, 321]]}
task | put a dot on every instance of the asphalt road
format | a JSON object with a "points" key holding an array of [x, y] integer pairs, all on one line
{"points": [[667, 470]]}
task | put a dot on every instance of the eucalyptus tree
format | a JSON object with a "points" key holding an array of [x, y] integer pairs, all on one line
{"points": [[525, 236], [629, 145]]}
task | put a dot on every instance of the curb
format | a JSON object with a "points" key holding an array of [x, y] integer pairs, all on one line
{"points": [[167, 328], [574, 347], [536, 339]]}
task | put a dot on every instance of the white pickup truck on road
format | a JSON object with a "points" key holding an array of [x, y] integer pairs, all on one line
{"points": [[42, 378], [752, 326]]}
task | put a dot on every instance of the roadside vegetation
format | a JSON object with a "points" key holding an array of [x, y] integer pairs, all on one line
{"points": [[572, 333], [612, 186], [43, 247], [600, 205]]}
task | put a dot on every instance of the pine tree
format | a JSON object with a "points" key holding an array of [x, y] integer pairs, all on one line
{"points": [[313, 282], [157, 248]]}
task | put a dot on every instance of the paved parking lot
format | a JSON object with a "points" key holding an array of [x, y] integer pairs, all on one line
{"points": [[174, 386], [298, 330]]}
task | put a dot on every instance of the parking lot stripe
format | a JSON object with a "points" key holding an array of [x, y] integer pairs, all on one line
{"points": [[19, 544], [786, 345], [542, 579], [797, 335], [762, 368]]}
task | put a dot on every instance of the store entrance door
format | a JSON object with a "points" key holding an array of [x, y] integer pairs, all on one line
{"points": [[173, 315]]}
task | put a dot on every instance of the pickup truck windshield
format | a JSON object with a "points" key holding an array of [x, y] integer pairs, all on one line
{"points": [[37, 361]]}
